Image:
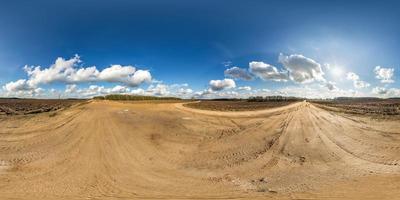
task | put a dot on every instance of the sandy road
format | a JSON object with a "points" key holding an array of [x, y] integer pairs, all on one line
{"points": [[111, 150]]}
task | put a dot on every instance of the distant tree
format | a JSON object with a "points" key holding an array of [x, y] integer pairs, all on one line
{"points": [[125, 97]]}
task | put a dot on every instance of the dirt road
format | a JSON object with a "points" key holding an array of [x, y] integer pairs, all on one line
{"points": [[111, 150]]}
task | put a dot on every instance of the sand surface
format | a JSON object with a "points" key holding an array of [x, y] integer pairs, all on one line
{"points": [[112, 150]]}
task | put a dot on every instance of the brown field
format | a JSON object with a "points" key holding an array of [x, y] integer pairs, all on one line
{"points": [[115, 150], [31, 106], [383, 107], [236, 105]]}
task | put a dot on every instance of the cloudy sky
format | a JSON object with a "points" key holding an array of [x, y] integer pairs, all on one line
{"points": [[204, 49]]}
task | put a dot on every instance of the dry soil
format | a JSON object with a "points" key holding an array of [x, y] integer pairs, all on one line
{"points": [[112, 150]]}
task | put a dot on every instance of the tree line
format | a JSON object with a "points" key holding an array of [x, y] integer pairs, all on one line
{"points": [[125, 97]]}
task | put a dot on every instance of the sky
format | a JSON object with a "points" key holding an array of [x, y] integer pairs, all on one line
{"points": [[201, 49]]}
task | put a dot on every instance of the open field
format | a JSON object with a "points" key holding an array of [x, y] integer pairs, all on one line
{"points": [[382, 107], [235, 105], [31, 106], [115, 150]]}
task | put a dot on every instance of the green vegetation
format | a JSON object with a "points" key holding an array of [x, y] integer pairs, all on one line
{"points": [[99, 97], [124, 97]]}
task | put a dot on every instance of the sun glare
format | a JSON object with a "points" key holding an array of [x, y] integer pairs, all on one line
{"points": [[336, 71]]}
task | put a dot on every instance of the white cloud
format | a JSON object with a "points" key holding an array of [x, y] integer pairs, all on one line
{"points": [[302, 69], [139, 77], [82, 75], [265, 90], [238, 73], [68, 71], [179, 90], [379, 90], [19, 85], [356, 80], [267, 72], [118, 89], [69, 89], [227, 63], [386, 92], [175, 90], [61, 71], [92, 90], [384, 74], [21, 88], [175, 85], [184, 91], [125, 74], [204, 94], [352, 76], [361, 84], [39, 91], [248, 88], [308, 91], [226, 94], [217, 85], [116, 73], [72, 90], [158, 90], [138, 91], [315, 92], [330, 85]]}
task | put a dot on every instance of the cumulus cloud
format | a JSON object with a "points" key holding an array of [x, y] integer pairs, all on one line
{"points": [[226, 94], [83, 75], [176, 85], [92, 90], [204, 93], [116, 73], [356, 80], [302, 69], [175, 90], [119, 89], [68, 71], [125, 74], [137, 91], [61, 71], [352, 76], [247, 88], [139, 77], [216, 89], [21, 88], [19, 85], [315, 92], [218, 85], [238, 73], [267, 72], [379, 90], [181, 90], [361, 84], [158, 90], [386, 92], [384, 74], [308, 91], [330, 85], [184, 91], [69, 89]]}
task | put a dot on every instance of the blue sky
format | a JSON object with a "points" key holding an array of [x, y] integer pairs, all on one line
{"points": [[186, 48]]}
